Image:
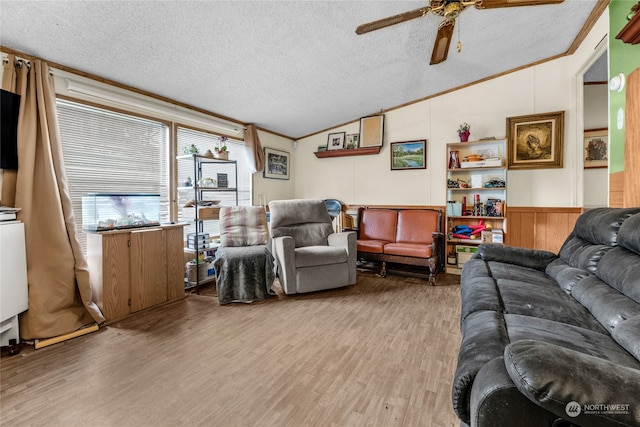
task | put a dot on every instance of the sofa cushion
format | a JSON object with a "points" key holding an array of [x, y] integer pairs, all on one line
{"points": [[629, 236], [555, 377], [620, 269], [568, 336], [601, 225], [409, 249], [500, 270], [320, 255], [565, 275], [378, 224], [412, 224], [582, 254], [372, 246]]}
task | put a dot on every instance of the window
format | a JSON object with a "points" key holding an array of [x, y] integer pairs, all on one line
{"points": [[110, 152], [208, 141]]}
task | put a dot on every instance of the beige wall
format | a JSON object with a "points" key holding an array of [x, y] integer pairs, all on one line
{"points": [[548, 87]]}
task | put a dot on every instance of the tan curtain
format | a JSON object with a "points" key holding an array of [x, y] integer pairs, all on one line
{"points": [[60, 299], [253, 148]]}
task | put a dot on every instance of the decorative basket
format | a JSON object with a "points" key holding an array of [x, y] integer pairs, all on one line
{"points": [[192, 269]]}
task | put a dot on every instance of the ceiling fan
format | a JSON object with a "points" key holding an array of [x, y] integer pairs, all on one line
{"points": [[449, 10]]}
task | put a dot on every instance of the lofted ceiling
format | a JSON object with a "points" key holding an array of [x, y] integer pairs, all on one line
{"points": [[291, 67]]}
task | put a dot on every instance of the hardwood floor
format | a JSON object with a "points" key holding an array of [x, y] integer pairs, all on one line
{"points": [[380, 353]]}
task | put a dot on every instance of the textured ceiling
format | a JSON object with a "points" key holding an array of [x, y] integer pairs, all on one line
{"points": [[293, 67]]}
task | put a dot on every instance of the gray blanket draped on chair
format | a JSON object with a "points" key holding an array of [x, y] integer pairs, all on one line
{"points": [[241, 277]]}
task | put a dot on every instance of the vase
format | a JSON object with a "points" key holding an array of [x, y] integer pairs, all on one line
{"points": [[221, 155], [454, 159], [464, 136]]}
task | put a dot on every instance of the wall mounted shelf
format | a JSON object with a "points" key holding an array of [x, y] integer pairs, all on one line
{"points": [[351, 152]]}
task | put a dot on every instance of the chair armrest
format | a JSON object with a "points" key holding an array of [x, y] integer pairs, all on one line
{"points": [[557, 378], [347, 240], [285, 256], [530, 258]]}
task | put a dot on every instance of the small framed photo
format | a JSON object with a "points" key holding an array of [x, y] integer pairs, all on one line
{"points": [[352, 141], [596, 145], [535, 141], [336, 141], [322, 148], [409, 155], [371, 131], [276, 164]]}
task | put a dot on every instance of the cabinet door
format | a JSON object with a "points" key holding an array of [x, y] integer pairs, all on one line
{"points": [[108, 258], [175, 262], [148, 268]]}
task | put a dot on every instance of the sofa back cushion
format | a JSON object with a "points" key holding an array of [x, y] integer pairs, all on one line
{"points": [[601, 225], [307, 221], [417, 225], [378, 224], [629, 235]]}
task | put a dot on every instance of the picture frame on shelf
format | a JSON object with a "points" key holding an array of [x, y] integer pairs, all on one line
{"points": [[352, 141], [322, 148], [276, 164], [335, 141], [596, 145], [409, 155], [535, 141], [371, 131]]}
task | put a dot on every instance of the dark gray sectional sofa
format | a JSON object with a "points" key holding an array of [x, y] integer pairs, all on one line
{"points": [[554, 340]]}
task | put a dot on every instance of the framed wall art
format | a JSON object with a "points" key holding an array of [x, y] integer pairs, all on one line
{"points": [[596, 146], [335, 141], [371, 131], [352, 141], [535, 141], [409, 155], [276, 164]]}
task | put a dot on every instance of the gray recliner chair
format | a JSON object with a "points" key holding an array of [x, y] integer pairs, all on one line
{"points": [[309, 255]]}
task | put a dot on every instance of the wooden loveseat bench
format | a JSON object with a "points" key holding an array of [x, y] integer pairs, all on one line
{"points": [[405, 236]]}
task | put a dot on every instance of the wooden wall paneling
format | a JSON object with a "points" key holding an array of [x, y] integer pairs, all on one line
{"points": [[616, 190], [148, 268], [632, 141], [540, 228]]}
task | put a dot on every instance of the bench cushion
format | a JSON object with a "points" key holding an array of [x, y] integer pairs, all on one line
{"points": [[416, 226], [409, 249], [378, 224]]}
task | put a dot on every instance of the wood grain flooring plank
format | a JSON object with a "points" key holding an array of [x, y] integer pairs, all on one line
{"points": [[380, 353]]}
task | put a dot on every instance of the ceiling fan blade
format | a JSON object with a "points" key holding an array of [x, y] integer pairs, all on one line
{"points": [[493, 4], [392, 20], [443, 40]]}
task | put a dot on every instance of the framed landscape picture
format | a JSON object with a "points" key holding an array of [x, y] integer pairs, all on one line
{"points": [[371, 131], [409, 155], [535, 141], [596, 145], [276, 164]]}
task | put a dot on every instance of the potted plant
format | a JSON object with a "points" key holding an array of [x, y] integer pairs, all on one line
{"points": [[463, 132], [220, 152]]}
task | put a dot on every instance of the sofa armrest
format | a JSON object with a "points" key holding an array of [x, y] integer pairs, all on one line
{"points": [[284, 253], [586, 389], [347, 240], [530, 258]]}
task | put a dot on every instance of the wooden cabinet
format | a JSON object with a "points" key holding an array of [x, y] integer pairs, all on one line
{"points": [[135, 269], [476, 192]]}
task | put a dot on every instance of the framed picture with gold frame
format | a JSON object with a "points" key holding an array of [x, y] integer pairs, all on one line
{"points": [[371, 131], [535, 141], [596, 145]]}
